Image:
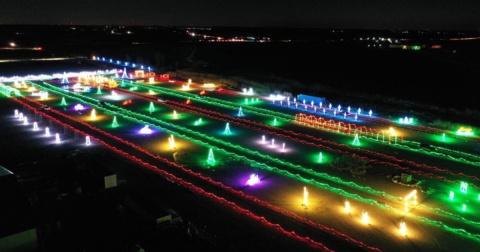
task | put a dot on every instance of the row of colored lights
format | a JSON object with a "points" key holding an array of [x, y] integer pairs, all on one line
{"points": [[149, 97], [454, 229], [253, 199], [202, 143], [424, 166], [146, 97], [198, 189], [122, 63], [257, 176]]}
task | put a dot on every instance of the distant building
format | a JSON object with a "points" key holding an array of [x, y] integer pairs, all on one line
{"points": [[18, 232]]}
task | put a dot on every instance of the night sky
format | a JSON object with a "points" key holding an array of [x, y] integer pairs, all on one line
{"points": [[363, 14]]}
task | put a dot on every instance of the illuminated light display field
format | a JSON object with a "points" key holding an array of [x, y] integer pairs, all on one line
{"points": [[218, 103], [205, 193], [192, 121], [423, 166]]}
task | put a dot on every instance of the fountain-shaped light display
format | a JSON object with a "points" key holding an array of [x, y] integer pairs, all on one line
{"points": [[339, 108], [57, 138], [64, 79], [171, 142], [273, 143], [151, 108], [320, 157], [64, 102], [79, 107], [370, 113], [451, 195], [403, 228], [25, 121], [324, 111], [47, 132], [211, 159], [240, 112], [227, 129], [334, 112], [283, 147], [124, 74], [348, 109], [20, 116], [305, 197], [253, 179], [347, 206], [356, 141], [406, 120], [114, 95], [146, 130], [93, 115], [15, 113], [356, 117], [99, 90], [330, 106], [345, 115], [275, 121], [320, 104], [359, 111], [87, 141], [263, 139], [35, 126], [175, 115], [198, 122], [43, 96], [114, 122], [365, 218]]}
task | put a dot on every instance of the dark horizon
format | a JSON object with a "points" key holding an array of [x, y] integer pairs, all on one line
{"points": [[347, 14]]}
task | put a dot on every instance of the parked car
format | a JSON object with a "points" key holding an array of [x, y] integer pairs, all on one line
{"points": [[45, 108]]}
